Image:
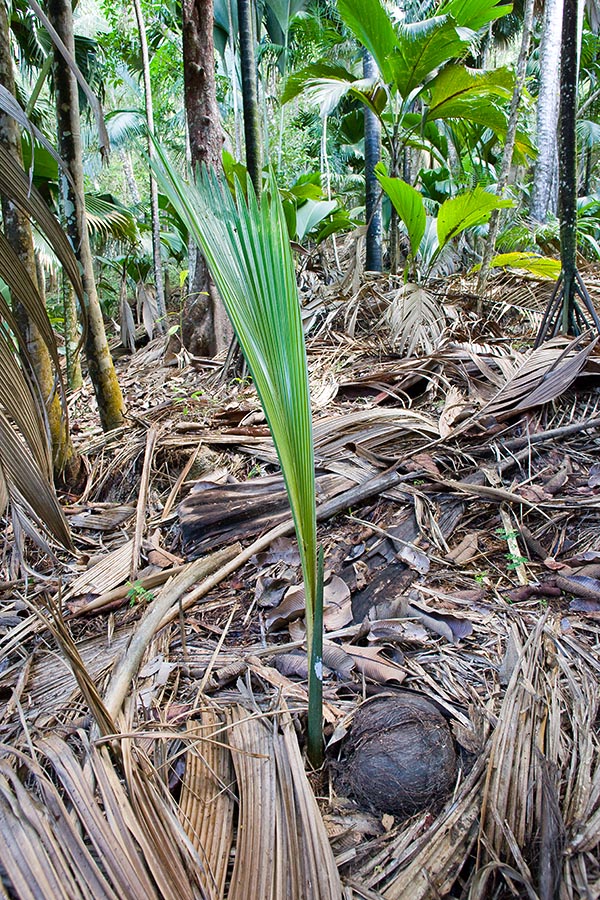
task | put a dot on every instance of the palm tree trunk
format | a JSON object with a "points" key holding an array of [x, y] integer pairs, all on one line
{"points": [[17, 229], [547, 112], [206, 329], [567, 185], [249, 93], [161, 308], [372, 189], [100, 365], [509, 146]]}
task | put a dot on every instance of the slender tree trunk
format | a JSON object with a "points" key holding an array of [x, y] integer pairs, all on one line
{"points": [[130, 181], [158, 271], [72, 354], [249, 93], [100, 364], [17, 229], [509, 146], [372, 189], [394, 242], [567, 185], [205, 326], [547, 112]]}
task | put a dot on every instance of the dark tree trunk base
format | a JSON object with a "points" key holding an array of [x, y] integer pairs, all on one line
{"points": [[568, 311]]}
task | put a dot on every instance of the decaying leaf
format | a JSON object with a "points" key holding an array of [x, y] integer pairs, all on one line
{"points": [[416, 320], [337, 604], [466, 550], [452, 627], [291, 607], [398, 630], [373, 663], [545, 374], [454, 408]]}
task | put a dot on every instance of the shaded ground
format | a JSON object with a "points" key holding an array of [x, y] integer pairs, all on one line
{"points": [[459, 510]]}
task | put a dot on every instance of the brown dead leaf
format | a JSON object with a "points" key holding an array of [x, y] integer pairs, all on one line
{"points": [[269, 591], [374, 664], [163, 559], [454, 406], [586, 607], [466, 550], [400, 630], [291, 607], [422, 461], [337, 604], [534, 493], [453, 628], [337, 660], [594, 476]]}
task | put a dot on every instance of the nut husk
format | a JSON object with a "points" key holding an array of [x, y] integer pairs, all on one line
{"points": [[399, 757]]}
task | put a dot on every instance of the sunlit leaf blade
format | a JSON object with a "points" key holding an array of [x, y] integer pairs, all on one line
{"points": [[456, 86], [310, 214], [109, 218], [409, 205], [475, 13], [371, 25], [542, 266], [326, 85], [422, 48], [464, 211], [247, 250]]}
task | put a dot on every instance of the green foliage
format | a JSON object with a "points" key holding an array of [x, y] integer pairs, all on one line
{"points": [[308, 214], [542, 266], [247, 250], [454, 216], [409, 205], [137, 593], [466, 210]]}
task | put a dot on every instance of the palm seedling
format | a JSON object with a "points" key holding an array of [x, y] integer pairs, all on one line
{"points": [[246, 247]]}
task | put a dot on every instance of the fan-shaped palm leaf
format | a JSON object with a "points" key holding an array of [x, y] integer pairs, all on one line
{"points": [[247, 250]]}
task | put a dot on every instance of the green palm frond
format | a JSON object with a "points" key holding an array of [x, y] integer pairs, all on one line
{"points": [[247, 250], [110, 218]]}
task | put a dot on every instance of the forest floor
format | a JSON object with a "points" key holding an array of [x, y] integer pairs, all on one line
{"points": [[153, 682]]}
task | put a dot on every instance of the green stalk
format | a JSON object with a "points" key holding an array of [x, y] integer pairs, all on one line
{"points": [[315, 674]]}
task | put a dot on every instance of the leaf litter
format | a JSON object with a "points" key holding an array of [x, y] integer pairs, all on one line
{"points": [[459, 511]]}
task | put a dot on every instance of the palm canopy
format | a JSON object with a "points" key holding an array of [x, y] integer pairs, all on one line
{"points": [[416, 61]]}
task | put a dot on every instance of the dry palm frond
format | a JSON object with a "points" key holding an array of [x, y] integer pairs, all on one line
{"points": [[282, 848], [64, 846], [544, 375], [207, 804], [416, 320]]}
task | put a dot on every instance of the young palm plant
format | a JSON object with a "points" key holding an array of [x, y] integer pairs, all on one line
{"points": [[246, 247]]}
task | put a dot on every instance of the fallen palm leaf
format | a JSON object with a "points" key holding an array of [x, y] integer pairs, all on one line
{"points": [[207, 802], [545, 374], [416, 321]]}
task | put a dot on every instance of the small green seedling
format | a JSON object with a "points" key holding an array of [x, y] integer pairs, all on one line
{"points": [[514, 560], [137, 593]]}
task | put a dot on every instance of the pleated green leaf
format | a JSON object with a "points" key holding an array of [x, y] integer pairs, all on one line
{"points": [[247, 250], [408, 203]]}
